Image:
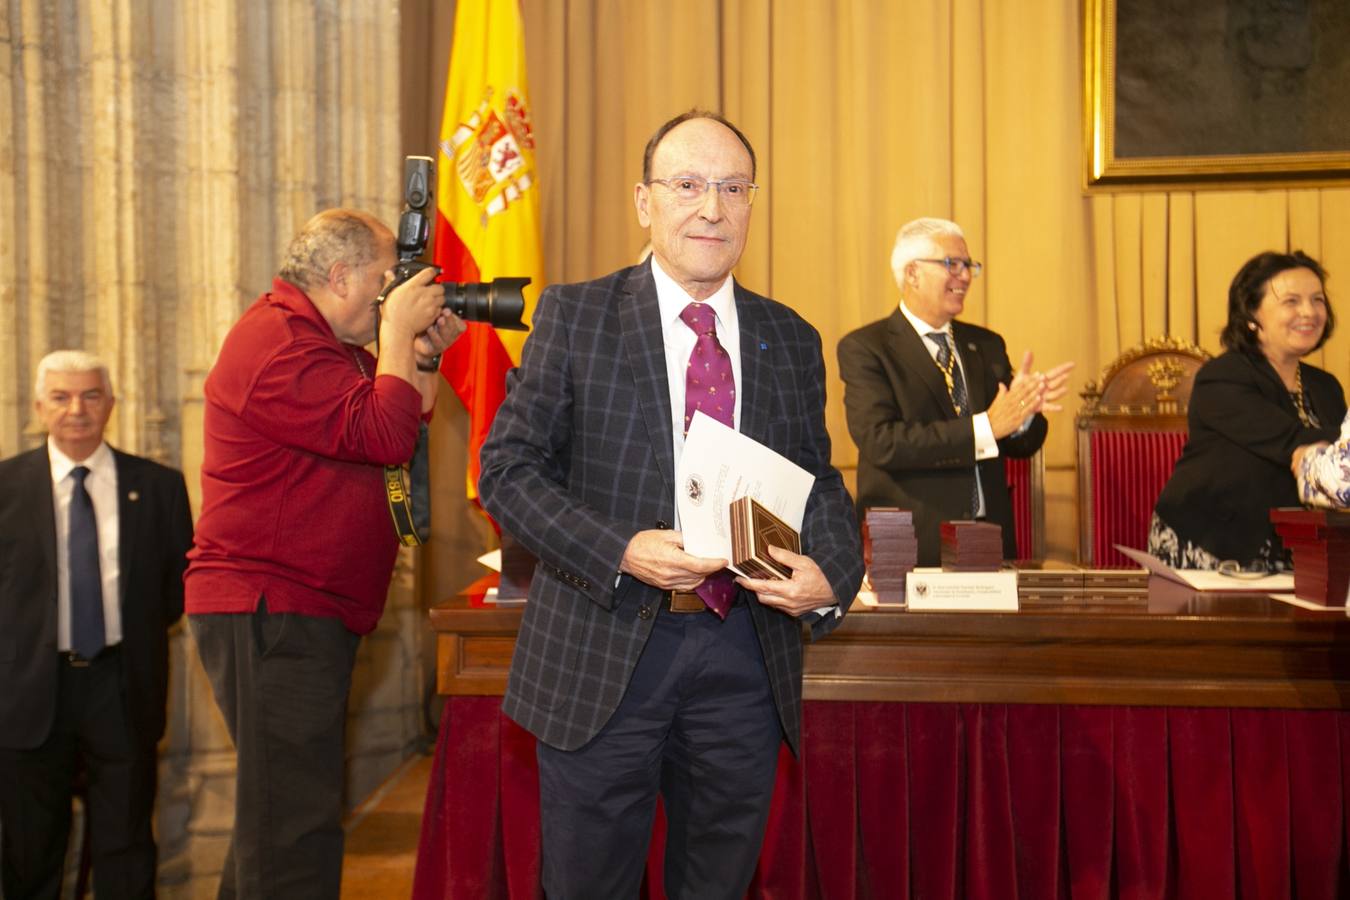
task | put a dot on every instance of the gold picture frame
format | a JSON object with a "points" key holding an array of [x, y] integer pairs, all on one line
{"points": [[1208, 99]]}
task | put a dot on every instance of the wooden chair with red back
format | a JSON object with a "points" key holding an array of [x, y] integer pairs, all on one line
{"points": [[1131, 429], [1026, 488]]}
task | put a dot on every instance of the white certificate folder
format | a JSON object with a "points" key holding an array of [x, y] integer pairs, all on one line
{"points": [[719, 465]]}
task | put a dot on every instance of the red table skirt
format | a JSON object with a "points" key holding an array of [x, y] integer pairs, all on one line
{"points": [[932, 800]]}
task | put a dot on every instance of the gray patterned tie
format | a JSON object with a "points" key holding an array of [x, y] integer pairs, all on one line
{"points": [[956, 389], [951, 373]]}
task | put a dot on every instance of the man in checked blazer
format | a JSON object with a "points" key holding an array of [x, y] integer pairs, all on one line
{"points": [[916, 449], [68, 691], [632, 686]]}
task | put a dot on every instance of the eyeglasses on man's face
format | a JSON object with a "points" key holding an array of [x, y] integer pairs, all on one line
{"points": [[957, 264], [691, 188]]}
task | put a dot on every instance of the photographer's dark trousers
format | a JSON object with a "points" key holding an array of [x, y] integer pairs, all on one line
{"points": [[281, 682], [36, 786]]}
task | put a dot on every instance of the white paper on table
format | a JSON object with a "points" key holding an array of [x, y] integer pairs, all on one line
{"points": [[492, 559], [1308, 604], [868, 599], [1208, 580], [1293, 600], [491, 597], [719, 465]]}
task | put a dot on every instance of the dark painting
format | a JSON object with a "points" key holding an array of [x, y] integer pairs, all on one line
{"points": [[1227, 77]]}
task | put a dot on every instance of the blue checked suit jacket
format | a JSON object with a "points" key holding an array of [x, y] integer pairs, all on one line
{"points": [[580, 458]]}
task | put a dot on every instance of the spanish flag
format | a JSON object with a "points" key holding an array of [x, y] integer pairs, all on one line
{"points": [[487, 199]]}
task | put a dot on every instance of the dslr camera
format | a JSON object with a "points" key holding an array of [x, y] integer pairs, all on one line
{"points": [[498, 302]]}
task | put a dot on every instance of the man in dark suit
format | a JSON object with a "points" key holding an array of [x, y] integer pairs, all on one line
{"points": [[92, 544], [931, 424], [642, 668]]}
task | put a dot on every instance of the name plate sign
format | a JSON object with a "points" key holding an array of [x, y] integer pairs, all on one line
{"points": [[934, 589]]}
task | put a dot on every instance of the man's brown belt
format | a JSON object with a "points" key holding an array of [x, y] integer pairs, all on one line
{"points": [[685, 602]]}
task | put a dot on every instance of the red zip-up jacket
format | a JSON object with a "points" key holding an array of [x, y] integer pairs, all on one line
{"points": [[297, 431]]}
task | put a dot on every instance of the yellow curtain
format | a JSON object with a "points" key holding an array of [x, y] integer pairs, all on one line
{"points": [[866, 114]]}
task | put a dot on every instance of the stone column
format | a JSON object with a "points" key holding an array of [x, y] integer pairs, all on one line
{"points": [[30, 162], [160, 155], [197, 787]]}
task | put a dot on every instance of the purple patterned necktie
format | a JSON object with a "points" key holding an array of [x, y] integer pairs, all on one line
{"points": [[710, 387]]}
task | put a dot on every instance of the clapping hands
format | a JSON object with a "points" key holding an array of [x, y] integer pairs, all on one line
{"points": [[1031, 392]]}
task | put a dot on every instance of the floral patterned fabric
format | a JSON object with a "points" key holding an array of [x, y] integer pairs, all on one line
{"points": [[1166, 545], [1324, 473]]}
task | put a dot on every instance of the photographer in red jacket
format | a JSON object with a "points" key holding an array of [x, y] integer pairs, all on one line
{"points": [[294, 546]]}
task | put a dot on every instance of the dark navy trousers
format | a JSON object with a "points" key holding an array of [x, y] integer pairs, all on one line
{"points": [[698, 725]]}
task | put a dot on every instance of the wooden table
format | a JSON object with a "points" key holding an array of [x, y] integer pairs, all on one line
{"points": [[1155, 743], [1166, 646]]}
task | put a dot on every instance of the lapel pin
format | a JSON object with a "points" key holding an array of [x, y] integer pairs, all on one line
{"points": [[763, 346], [133, 496]]}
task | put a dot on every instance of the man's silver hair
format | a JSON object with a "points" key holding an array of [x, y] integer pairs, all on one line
{"points": [[917, 240], [332, 236], [70, 361]]}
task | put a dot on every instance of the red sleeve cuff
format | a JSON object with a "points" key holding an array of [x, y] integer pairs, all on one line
{"points": [[403, 395]]}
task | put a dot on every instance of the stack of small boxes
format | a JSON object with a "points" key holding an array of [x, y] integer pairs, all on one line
{"points": [[890, 549], [972, 546], [1115, 584], [1047, 580], [1319, 541]]}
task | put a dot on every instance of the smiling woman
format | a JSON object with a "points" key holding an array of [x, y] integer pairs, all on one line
{"points": [[1250, 410]]}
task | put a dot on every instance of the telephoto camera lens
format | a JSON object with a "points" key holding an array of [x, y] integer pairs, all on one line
{"points": [[499, 302]]}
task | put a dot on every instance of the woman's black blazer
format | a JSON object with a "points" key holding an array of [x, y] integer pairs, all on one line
{"points": [[1235, 466]]}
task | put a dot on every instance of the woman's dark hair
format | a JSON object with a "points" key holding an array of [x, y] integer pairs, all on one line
{"points": [[1249, 289]]}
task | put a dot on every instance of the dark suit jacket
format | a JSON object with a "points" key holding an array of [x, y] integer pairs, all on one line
{"points": [[912, 450], [580, 459], [155, 531], [1235, 467]]}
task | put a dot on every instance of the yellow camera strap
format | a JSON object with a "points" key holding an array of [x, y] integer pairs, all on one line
{"points": [[409, 493]]}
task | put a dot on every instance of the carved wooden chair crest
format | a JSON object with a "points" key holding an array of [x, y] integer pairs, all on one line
{"points": [[1131, 429]]}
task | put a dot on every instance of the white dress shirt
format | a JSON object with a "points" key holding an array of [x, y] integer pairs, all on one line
{"points": [[101, 483], [679, 340]]}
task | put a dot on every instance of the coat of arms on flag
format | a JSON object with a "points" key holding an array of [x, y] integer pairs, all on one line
{"points": [[493, 153], [487, 199]]}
